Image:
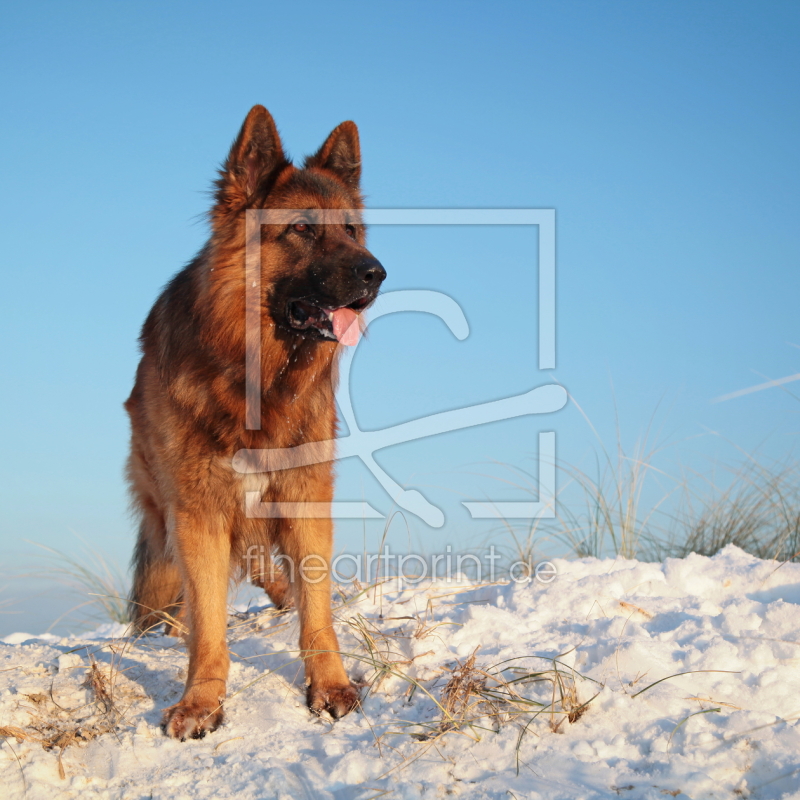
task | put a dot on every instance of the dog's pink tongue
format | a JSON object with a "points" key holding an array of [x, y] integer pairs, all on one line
{"points": [[345, 326]]}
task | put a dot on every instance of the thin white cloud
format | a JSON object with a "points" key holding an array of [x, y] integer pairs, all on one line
{"points": [[759, 388]]}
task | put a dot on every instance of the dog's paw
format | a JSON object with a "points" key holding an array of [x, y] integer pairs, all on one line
{"points": [[191, 720], [336, 700]]}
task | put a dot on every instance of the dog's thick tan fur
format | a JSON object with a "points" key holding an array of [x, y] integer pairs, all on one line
{"points": [[187, 412]]}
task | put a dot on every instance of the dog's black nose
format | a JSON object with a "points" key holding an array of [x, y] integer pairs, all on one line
{"points": [[370, 271]]}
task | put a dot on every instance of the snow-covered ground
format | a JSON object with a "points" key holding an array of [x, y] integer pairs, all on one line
{"points": [[602, 631]]}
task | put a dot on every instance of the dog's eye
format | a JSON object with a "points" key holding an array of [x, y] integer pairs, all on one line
{"points": [[300, 227], [350, 231]]}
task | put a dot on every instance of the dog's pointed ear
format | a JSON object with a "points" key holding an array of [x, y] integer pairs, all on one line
{"points": [[341, 155], [256, 154]]}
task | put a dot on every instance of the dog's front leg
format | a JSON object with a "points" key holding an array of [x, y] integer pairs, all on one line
{"points": [[309, 544], [203, 553]]}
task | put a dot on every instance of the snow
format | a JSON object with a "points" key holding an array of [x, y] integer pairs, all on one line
{"points": [[727, 729]]}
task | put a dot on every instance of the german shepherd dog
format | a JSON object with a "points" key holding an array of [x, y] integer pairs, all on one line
{"points": [[188, 411]]}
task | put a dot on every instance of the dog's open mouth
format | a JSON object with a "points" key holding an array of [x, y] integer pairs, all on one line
{"points": [[336, 324]]}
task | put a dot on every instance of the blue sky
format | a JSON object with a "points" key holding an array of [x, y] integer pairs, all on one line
{"points": [[665, 135]]}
